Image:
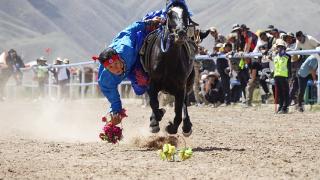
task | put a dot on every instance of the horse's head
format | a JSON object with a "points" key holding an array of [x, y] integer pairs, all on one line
{"points": [[177, 23]]}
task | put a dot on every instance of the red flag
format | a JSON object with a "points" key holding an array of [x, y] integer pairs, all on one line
{"points": [[48, 50]]}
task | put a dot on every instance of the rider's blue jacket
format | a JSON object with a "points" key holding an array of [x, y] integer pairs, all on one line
{"points": [[127, 44]]}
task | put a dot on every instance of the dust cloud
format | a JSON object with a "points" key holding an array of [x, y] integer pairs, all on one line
{"points": [[51, 120], [66, 121]]}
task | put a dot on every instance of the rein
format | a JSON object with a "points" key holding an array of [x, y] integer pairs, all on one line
{"points": [[165, 48]]}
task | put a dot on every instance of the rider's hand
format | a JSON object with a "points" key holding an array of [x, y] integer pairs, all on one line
{"points": [[155, 21], [159, 20], [115, 118]]}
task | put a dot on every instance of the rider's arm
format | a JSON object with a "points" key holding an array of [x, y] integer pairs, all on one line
{"points": [[136, 27], [109, 88], [130, 31]]}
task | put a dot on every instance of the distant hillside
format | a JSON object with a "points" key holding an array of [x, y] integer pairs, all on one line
{"points": [[79, 29]]}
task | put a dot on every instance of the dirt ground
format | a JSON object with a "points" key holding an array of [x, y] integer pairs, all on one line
{"points": [[59, 140]]}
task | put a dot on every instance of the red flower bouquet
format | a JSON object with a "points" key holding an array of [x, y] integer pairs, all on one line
{"points": [[112, 133]]}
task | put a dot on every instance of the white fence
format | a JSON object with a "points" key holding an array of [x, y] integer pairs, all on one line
{"points": [[77, 89], [54, 91]]}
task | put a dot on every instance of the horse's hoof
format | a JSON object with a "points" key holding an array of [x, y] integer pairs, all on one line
{"points": [[187, 129], [154, 129], [171, 129], [154, 126], [187, 134]]}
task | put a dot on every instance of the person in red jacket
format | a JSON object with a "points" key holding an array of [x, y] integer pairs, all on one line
{"points": [[249, 37]]}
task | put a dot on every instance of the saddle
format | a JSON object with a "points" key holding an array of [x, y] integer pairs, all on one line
{"points": [[146, 49]]}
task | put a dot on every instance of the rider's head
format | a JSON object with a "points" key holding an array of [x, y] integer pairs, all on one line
{"points": [[111, 60]]}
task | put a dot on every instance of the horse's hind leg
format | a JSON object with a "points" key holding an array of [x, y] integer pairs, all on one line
{"points": [[187, 125], [172, 128], [157, 113]]}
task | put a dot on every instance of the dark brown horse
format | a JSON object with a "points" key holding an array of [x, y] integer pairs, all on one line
{"points": [[169, 64]]}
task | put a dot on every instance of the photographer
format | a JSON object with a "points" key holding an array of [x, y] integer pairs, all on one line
{"points": [[213, 89]]}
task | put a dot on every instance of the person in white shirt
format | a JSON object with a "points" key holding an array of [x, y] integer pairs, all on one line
{"points": [[62, 78], [263, 40], [306, 42]]}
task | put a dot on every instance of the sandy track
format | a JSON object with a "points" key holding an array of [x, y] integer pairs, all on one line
{"points": [[59, 140]]}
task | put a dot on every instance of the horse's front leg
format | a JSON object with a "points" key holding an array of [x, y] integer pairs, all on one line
{"points": [[187, 125], [157, 113], [172, 128]]}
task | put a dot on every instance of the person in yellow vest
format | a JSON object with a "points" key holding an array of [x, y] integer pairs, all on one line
{"points": [[41, 75], [282, 71]]}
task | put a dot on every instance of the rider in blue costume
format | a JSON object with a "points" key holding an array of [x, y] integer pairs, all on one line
{"points": [[121, 59]]}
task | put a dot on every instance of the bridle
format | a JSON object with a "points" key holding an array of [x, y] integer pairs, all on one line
{"points": [[165, 48], [165, 30]]}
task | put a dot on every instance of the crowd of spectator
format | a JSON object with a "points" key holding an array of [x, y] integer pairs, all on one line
{"points": [[281, 76]]}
